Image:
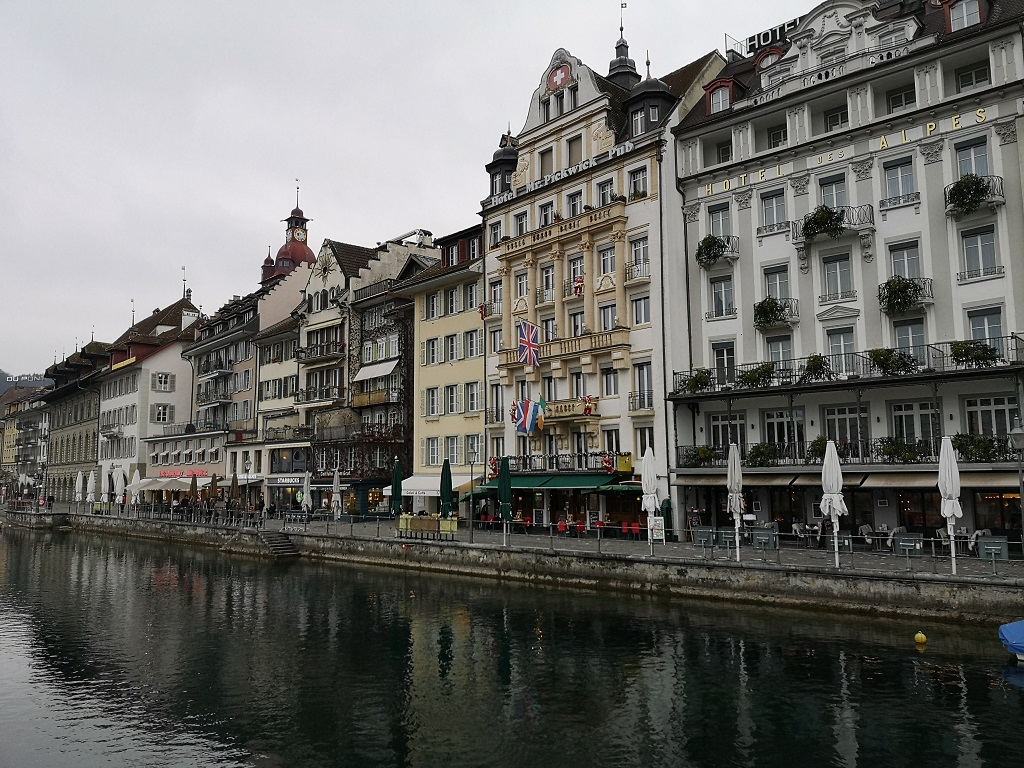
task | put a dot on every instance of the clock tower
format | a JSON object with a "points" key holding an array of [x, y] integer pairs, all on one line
{"points": [[295, 250]]}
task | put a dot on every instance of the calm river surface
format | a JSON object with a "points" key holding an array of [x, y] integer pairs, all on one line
{"points": [[127, 653]]}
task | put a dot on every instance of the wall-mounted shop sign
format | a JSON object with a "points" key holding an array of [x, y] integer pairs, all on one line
{"points": [[289, 480], [183, 473]]}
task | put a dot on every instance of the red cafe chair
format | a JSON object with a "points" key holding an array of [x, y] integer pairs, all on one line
{"points": [[579, 528], [636, 531], [562, 528], [625, 529]]}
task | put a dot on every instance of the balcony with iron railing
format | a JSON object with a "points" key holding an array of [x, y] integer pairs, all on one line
{"points": [[991, 270], [899, 200], [363, 433], [191, 427], [712, 248], [212, 368], [970, 192], [970, 449], [312, 353], [278, 434], [319, 394], [572, 347], [833, 223], [638, 270], [772, 313], [545, 295], [825, 298], [373, 289], [574, 287], [720, 312], [213, 396], [491, 309], [593, 461], [494, 415], [771, 229], [642, 400], [385, 396], [899, 294], [966, 359]]}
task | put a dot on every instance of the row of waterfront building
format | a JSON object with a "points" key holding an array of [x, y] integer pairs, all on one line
{"points": [[810, 238]]}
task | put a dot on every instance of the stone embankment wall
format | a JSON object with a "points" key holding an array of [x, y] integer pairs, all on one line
{"points": [[936, 596]]}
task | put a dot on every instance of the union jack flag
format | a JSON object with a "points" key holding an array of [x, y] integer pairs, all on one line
{"points": [[529, 343]]}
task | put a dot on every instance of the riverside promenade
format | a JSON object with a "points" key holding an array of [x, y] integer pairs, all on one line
{"points": [[868, 580]]}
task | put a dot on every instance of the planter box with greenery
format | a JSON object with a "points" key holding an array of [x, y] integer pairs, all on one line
{"points": [[973, 354], [823, 221], [638, 194], [899, 295], [816, 449], [699, 381], [892, 450], [757, 377], [698, 456], [762, 455], [976, 449], [816, 368], [965, 196], [770, 312], [710, 250], [893, 362]]}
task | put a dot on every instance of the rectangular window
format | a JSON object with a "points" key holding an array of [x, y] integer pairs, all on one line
{"points": [[986, 325], [548, 329], [432, 459], [638, 182], [470, 296], [641, 310], [913, 421], [451, 347], [727, 429], [644, 439], [990, 415], [719, 99], [547, 214], [559, 103], [496, 294], [643, 379], [721, 297], [719, 220], [473, 449], [654, 114], [972, 76], [637, 121], [547, 283], [522, 284], [609, 382], [838, 277], [840, 350], [431, 306], [723, 353], [833, 191], [836, 119], [547, 162], [780, 349], [604, 192], [431, 351], [431, 402], [910, 337], [972, 158], [906, 260], [496, 345], [549, 388], [777, 136], [979, 251], [776, 282], [451, 398], [606, 255], [577, 326], [607, 316], [638, 250], [610, 437], [451, 449], [451, 301], [964, 14], [574, 149], [495, 236], [522, 225], [578, 384], [892, 37], [846, 428], [901, 98], [576, 267], [899, 178], [773, 208], [472, 343], [574, 204], [784, 427], [724, 151]]}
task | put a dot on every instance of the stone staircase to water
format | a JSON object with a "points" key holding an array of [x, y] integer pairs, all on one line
{"points": [[279, 544]]}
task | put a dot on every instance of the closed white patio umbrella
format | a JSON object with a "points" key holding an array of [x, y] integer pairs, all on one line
{"points": [[104, 487], [949, 488], [307, 499], [90, 492], [734, 484], [134, 485], [118, 485], [832, 502], [78, 487], [336, 496]]}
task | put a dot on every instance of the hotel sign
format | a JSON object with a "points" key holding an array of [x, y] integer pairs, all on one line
{"points": [[772, 36]]}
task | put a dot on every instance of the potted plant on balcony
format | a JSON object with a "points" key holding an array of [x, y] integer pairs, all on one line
{"points": [[966, 195], [638, 194], [893, 450], [899, 295], [770, 312], [698, 456], [762, 455], [710, 250], [973, 354], [823, 221], [757, 377], [816, 368], [975, 449], [816, 450], [698, 381], [892, 362]]}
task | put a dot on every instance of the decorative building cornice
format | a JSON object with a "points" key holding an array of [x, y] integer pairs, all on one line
{"points": [[931, 151], [692, 213], [799, 184], [1006, 131], [863, 168], [742, 198]]}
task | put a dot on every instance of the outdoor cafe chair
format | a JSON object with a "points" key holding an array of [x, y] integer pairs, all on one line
{"points": [[636, 531], [579, 528], [562, 528], [625, 530]]}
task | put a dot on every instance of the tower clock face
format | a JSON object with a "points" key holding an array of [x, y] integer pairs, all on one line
{"points": [[300, 235]]}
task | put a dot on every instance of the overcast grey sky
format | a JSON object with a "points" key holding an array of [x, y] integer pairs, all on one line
{"points": [[137, 137]]}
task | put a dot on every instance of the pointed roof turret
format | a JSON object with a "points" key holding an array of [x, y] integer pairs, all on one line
{"points": [[622, 69]]}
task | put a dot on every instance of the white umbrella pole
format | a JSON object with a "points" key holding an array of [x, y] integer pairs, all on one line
{"points": [[835, 535], [736, 518], [952, 543]]}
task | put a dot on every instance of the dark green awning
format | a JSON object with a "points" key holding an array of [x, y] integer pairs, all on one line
{"points": [[577, 482], [520, 481], [637, 489]]}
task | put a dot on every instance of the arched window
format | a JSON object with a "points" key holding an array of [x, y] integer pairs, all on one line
{"points": [[719, 99]]}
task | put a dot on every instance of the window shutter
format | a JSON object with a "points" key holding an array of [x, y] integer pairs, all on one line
{"points": [[423, 402], [152, 381], [423, 451], [459, 401], [170, 414], [152, 414], [423, 353], [460, 451], [442, 351]]}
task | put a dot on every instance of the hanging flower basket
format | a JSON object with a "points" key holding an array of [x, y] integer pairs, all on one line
{"points": [[710, 250], [769, 312], [699, 381], [966, 195], [973, 354], [823, 221], [816, 368]]}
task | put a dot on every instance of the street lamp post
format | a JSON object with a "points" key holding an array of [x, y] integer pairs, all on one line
{"points": [[1017, 438], [472, 498]]}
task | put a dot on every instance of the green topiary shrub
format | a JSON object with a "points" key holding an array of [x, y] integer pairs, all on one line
{"points": [[893, 362], [710, 250], [823, 221], [966, 195]]}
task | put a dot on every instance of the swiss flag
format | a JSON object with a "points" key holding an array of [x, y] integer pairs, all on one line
{"points": [[559, 77]]}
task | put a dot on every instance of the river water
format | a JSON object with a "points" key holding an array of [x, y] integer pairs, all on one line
{"points": [[129, 653]]}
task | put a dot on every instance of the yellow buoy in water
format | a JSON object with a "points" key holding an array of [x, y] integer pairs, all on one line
{"points": [[920, 639]]}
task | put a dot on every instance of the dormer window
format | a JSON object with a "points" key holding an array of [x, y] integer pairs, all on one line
{"points": [[892, 37], [768, 59], [654, 114], [720, 99], [637, 120], [833, 57], [496, 183], [964, 14]]}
